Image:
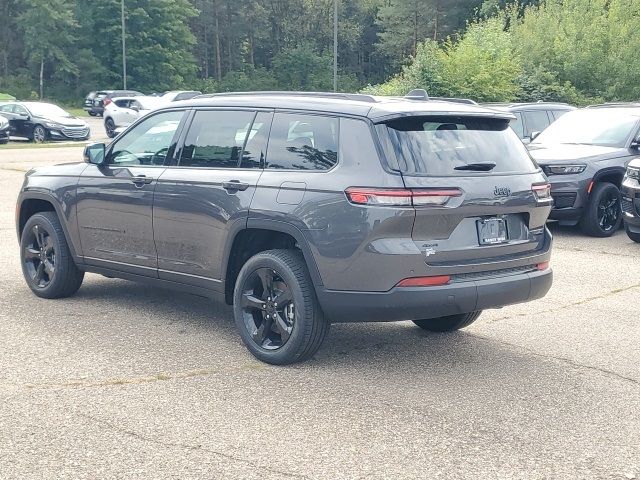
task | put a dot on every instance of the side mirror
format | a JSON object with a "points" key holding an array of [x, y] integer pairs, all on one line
{"points": [[635, 143], [94, 153], [534, 135], [135, 108]]}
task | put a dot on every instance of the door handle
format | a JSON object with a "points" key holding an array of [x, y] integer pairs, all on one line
{"points": [[141, 180], [235, 185]]}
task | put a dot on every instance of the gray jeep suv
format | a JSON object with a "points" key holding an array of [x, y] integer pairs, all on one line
{"points": [[301, 210], [584, 155]]}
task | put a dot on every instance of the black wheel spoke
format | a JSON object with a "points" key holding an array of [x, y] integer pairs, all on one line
{"points": [[39, 276], [48, 244], [48, 268], [266, 277], [260, 334], [283, 298], [282, 327], [31, 253], [251, 302]]}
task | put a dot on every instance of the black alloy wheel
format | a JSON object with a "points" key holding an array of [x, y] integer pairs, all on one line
{"points": [[609, 211], [268, 309], [602, 216], [110, 127], [39, 256], [39, 134]]}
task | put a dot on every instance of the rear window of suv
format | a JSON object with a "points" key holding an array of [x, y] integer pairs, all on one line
{"points": [[436, 145]]}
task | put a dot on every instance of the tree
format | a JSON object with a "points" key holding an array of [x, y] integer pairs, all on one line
{"points": [[56, 18]]}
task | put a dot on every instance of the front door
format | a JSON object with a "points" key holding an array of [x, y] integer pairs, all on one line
{"points": [[115, 200], [206, 196]]}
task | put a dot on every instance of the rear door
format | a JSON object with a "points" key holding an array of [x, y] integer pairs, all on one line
{"points": [[476, 177], [205, 197]]}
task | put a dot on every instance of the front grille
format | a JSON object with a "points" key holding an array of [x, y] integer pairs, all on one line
{"points": [[75, 132], [564, 200], [630, 206], [466, 277]]}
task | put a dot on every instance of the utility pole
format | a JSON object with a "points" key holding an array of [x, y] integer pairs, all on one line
{"points": [[335, 45], [124, 48]]}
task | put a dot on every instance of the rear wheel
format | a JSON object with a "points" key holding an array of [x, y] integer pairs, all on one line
{"points": [[632, 235], [47, 264], [276, 310], [110, 127], [603, 214], [449, 323], [39, 134]]}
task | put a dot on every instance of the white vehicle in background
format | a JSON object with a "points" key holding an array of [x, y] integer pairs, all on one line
{"points": [[123, 111], [177, 95]]}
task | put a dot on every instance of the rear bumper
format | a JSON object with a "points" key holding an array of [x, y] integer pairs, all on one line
{"points": [[432, 302], [566, 214]]}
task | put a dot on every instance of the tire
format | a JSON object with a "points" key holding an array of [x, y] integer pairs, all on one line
{"points": [[40, 134], [603, 215], [110, 127], [62, 278], [449, 323], [93, 114], [632, 235], [301, 317]]}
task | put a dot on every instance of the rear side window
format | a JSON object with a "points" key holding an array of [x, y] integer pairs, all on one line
{"points": [[558, 113], [517, 125], [303, 142], [216, 138], [536, 120], [437, 145]]}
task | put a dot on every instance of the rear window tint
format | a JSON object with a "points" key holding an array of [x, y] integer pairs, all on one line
{"points": [[437, 145]]}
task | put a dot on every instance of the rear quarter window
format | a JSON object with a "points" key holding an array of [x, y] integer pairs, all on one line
{"points": [[437, 145]]}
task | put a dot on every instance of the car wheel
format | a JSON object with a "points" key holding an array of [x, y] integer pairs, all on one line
{"points": [[93, 114], [39, 134], [632, 235], [448, 323], [110, 127], [276, 310], [603, 214], [47, 264]]}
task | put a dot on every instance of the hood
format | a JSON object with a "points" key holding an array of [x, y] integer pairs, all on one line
{"points": [[66, 121], [559, 153]]}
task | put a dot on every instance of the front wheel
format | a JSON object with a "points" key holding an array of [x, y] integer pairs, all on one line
{"points": [[47, 264], [110, 127], [603, 214], [39, 134], [276, 310], [632, 235], [449, 323]]}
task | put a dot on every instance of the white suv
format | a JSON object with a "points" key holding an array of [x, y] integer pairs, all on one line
{"points": [[123, 111]]}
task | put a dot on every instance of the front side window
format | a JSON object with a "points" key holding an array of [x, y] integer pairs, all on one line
{"points": [[148, 143], [215, 139], [20, 110], [8, 108], [303, 142], [536, 120]]}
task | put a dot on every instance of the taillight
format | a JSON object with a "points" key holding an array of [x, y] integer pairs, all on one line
{"points": [[542, 191], [399, 197], [542, 266], [424, 281], [106, 101]]}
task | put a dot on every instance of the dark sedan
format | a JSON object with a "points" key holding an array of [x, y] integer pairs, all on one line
{"points": [[39, 122]]}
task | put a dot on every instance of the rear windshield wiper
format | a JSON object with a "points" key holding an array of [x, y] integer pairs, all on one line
{"points": [[477, 167]]}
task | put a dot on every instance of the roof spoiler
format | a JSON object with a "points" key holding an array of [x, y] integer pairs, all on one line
{"points": [[417, 94]]}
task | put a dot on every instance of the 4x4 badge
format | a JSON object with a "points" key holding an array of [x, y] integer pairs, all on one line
{"points": [[502, 191]]}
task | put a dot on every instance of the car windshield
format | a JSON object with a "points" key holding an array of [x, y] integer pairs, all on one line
{"points": [[447, 145], [46, 110], [607, 128]]}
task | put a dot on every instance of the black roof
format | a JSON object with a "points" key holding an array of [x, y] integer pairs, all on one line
{"points": [[376, 108]]}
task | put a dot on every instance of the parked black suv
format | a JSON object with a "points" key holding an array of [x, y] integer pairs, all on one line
{"points": [[584, 155], [301, 210], [631, 200], [532, 118]]}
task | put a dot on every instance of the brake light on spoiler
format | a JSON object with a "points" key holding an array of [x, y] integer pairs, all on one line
{"points": [[400, 197]]}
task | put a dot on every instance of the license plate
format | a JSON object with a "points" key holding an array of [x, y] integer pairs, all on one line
{"points": [[492, 231]]}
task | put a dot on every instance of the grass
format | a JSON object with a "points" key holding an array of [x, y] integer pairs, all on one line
{"points": [[27, 145], [76, 112]]}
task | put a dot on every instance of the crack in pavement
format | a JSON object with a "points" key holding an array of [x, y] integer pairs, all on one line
{"points": [[601, 252], [159, 377], [186, 446], [610, 293], [515, 347]]}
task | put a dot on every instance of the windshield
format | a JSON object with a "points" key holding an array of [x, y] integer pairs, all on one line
{"points": [[446, 145], [607, 128], [46, 110]]}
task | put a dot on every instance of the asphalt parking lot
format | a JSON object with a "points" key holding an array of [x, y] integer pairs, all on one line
{"points": [[129, 381]]}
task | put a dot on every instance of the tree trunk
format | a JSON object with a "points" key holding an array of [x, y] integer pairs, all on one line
{"points": [[435, 21], [41, 77], [229, 56], [415, 28], [217, 41]]}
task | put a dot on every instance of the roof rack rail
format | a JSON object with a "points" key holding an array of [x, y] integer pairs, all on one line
{"points": [[466, 101], [346, 96], [615, 104]]}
